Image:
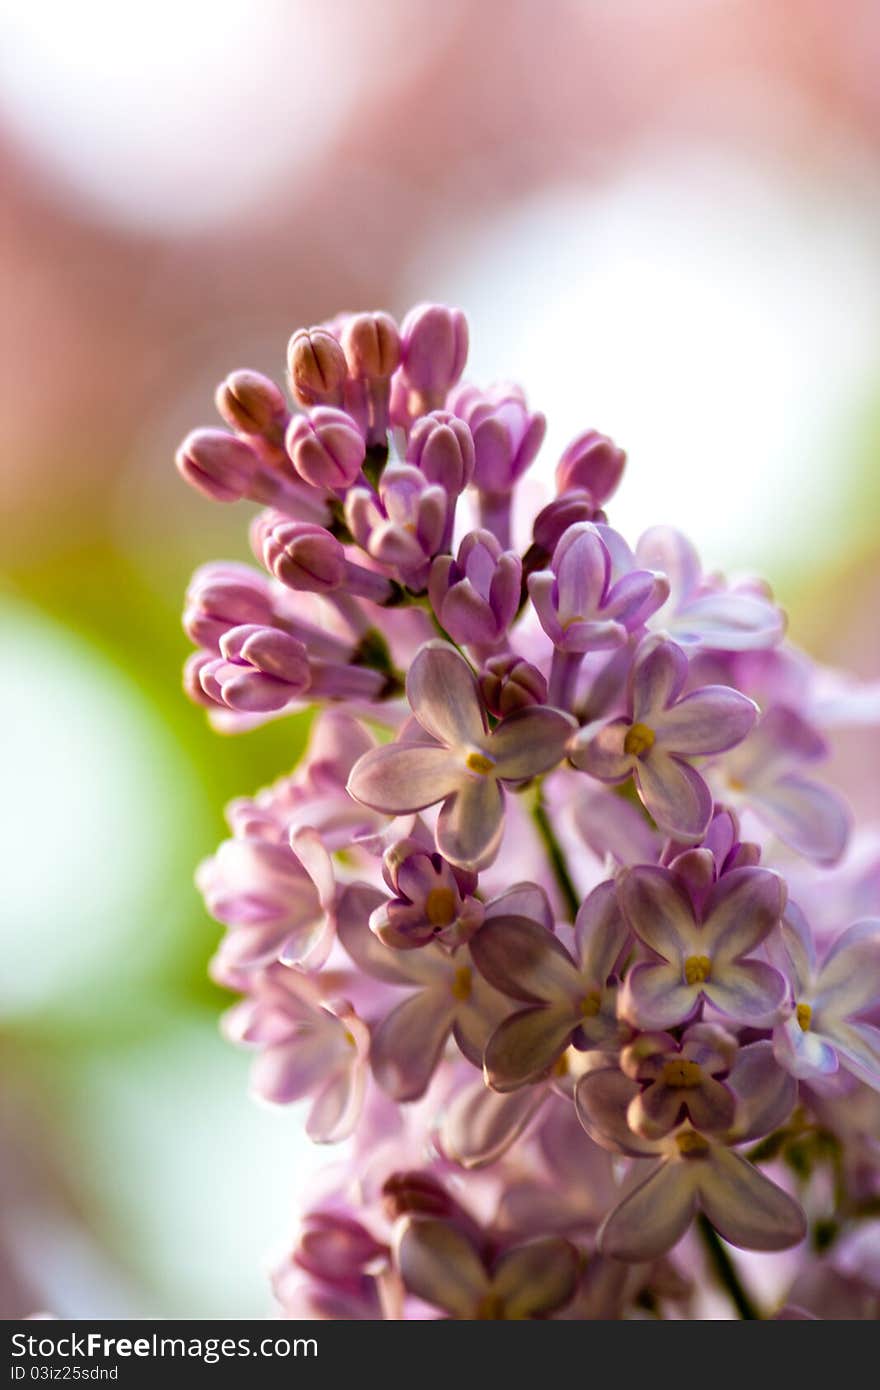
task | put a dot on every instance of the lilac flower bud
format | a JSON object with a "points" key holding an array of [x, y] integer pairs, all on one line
{"points": [[405, 526], [420, 1194], [592, 462], [434, 350], [302, 556], [566, 510], [371, 343], [507, 436], [334, 1247], [476, 596], [317, 367], [218, 464], [223, 596], [442, 447], [309, 559], [251, 404], [260, 670], [326, 448], [509, 683]]}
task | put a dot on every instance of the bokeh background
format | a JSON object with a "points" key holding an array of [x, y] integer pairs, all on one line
{"points": [[663, 219]]}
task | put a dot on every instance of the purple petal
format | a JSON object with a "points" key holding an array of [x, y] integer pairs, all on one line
{"points": [[749, 991], [601, 754], [289, 1072], [526, 1045], [356, 905], [659, 912], [635, 597], [522, 900], [658, 678], [728, 621], [711, 720], [746, 1208], [524, 960], [803, 1054], [608, 824], [849, 981], [530, 741], [536, 1278], [710, 1107], [741, 910], [439, 1264], [582, 567], [601, 933], [656, 997], [765, 1093], [674, 794], [602, 1098], [477, 1017], [442, 692], [401, 777], [408, 1044], [655, 1215], [480, 1125], [812, 819], [792, 950], [858, 1046], [662, 548], [471, 823]]}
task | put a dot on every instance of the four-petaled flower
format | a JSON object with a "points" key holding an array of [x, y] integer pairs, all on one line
{"points": [[701, 956], [663, 730], [462, 763]]}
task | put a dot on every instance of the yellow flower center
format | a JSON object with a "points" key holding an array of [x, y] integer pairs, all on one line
{"points": [[804, 1015], [639, 739], [591, 1004], [691, 1145], [681, 1073], [440, 907], [560, 1066], [479, 763], [349, 1038], [461, 983], [697, 969]]}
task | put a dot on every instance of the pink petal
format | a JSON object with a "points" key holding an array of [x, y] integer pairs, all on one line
{"points": [[408, 1044], [524, 960], [438, 1264], [471, 823], [746, 1208], [858, 1046], [337, 1107], [442, 693], [480, 1125], [728, 621], [529, 742], [356, 905], [536, 1278], [674, 794], [663, 548], [655, 1215], [522, 900], [608, 824], [401, 777], [477, 1017], [289, 1072], [526, 1045]]}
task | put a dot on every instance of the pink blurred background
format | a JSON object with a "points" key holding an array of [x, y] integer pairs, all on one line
{"points": [[664, 219]]}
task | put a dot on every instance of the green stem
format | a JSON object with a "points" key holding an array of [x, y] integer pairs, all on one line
{"points": [[725, 1272], [555, 855]]}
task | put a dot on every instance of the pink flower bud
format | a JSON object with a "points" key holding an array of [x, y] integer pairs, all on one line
{"points": [[442, 447], [434, 351], [566, 510], [218, 464], [594, 462], [222, 596], [252, 404], [509, 683], [371, 343], [302, 556], [317, 367], [326, 448]]}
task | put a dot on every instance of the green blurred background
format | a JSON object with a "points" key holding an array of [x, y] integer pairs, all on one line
{"points": [[664, 221]]}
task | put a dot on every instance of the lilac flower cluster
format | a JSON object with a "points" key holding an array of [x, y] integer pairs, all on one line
{"points": [[554, 924]]}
